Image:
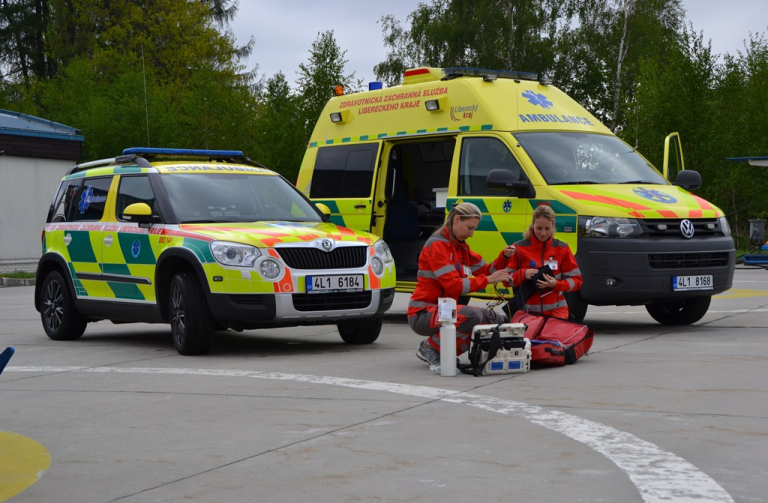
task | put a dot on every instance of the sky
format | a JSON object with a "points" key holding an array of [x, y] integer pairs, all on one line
{"points": [[284, 30]]}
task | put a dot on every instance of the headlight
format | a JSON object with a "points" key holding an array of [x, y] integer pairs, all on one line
{"points": [[724, 227], [234, 254], [609, 227], [381, 250]]}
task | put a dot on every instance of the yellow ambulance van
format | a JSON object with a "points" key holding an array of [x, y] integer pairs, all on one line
{"points": [[393, 161]]}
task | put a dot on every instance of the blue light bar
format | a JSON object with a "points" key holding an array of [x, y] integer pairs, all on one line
{"points": [[183, 152], [481, 72]]}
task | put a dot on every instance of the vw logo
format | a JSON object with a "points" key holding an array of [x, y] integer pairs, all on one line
{"points": [[327, 244], [686, 228]]}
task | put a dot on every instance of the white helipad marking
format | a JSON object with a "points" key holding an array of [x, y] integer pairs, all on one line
{"points": [[659, 476]]}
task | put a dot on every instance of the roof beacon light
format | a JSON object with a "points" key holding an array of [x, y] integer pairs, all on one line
{"points": [[432, 105], [182, 152], [375, 86], [338, 90], [488, 75]]}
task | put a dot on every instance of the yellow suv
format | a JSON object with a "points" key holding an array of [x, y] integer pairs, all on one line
{"points": [[204, 240]]}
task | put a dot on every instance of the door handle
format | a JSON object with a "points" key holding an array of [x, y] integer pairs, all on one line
{"points": [[108, 240], [67, 239], [360, 206]]}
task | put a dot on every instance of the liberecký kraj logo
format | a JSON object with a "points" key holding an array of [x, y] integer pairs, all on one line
{"points": [[538, 99], [654, 195], [463, 112]]}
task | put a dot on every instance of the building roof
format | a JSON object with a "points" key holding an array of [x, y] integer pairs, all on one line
{"points": [[754, 161], [15, 123]]}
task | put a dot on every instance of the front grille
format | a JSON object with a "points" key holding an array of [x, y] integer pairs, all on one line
{"points": [[345, 257], [687, 260], [701, 226], [331, 301]]}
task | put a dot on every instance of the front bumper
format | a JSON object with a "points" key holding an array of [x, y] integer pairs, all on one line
{"points": [[249, 311], [643, 268]]}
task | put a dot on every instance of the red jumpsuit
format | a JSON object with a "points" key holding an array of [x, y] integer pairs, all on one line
{"points": [[448, 268], [533, 254]]}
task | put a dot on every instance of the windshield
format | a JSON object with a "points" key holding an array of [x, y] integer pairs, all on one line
{"points": [[236, 198], [579, 158]]}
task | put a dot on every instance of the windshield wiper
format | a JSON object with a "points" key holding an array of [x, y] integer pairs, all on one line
{"points": [[583, 182], [640, 181], [207, 221]]}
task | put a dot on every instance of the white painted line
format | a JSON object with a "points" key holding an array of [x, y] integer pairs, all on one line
{"points": [[659, 476], [639, 311]]}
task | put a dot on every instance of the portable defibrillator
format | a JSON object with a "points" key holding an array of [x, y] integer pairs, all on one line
{"points": [[499, 349]]}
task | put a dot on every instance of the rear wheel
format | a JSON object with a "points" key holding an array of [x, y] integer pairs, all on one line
{"points": [[577, 307], [683, 312], [61, 320], [360, 332], [192, 326]]}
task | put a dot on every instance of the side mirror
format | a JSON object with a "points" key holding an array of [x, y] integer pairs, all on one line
{"points": [[325, 210], [505, 180], [688, 179], [140, 213]]}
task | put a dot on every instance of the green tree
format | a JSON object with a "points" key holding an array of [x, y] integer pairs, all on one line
{"points": [[323, 71], [510, 35], [279, 128]]}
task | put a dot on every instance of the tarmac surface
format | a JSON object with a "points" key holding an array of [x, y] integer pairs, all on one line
{"points": [[654, 413]]}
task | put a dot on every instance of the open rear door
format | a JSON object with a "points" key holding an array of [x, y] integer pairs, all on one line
{"points": [[673, 157]]}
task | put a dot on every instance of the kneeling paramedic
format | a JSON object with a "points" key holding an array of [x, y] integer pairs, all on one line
{"points": [[448, 268]]}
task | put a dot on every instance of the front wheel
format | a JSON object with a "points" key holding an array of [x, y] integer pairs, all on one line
{"points": [[682, 312], [61, 320], [360, 332], [192, 326]]}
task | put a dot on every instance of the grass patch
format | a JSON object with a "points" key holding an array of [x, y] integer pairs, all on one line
{"points": [[17, 275]]}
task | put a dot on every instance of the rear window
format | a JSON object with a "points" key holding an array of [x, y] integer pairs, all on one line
{"points": [[344, 171]]}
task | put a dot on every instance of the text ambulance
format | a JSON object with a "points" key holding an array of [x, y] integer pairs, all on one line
{"points": [[391, 161]]}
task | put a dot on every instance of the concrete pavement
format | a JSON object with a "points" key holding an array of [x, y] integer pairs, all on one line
{"points": [[654, 413]]}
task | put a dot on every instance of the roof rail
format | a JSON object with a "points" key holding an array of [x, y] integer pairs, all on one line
{"points": [[142, 157]]}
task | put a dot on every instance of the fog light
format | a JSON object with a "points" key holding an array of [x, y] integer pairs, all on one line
{"points": [[377, 265], [612, 282], [662, 227], [269, 269]]}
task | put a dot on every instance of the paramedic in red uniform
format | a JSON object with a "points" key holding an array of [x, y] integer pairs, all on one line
{"points": [[448, 268], [539, 248]]}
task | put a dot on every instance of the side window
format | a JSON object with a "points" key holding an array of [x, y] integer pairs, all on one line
{"points": [[90, 199], [479, 156], [134, 189], [61, 209], [344, 171]]}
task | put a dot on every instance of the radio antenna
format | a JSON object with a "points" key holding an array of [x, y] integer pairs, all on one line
{"points": [[146, 106]]}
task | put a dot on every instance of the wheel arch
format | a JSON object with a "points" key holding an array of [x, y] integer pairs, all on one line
{"points": [[48, 263], [172, 262]]}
